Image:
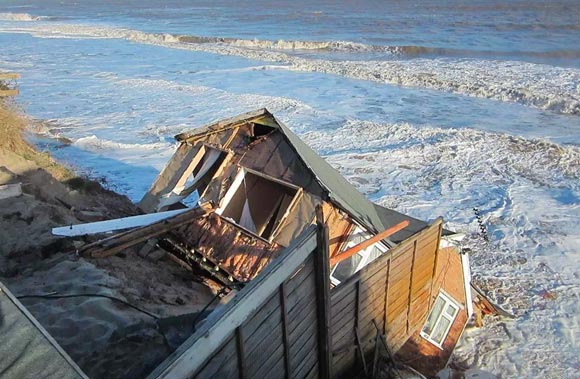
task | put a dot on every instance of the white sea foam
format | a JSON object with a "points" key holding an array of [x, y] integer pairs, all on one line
{"points": [[547, 87], [93, 143], [21, 17], [528, 193]]}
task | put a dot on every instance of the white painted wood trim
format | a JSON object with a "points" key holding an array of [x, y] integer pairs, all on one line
{"points": [[467, 283], [196, 350], [116, 224]]}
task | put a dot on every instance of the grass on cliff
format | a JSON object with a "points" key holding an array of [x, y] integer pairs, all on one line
{"points": [[12, 129]]}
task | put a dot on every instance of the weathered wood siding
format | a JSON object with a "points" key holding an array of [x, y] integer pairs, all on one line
{"points": [[283, 336], [279, 340], [449, 278], [393, 291]]}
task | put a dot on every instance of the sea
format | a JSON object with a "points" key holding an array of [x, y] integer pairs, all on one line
{"points": [[453, 108]]}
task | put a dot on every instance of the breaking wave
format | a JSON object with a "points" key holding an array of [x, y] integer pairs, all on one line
{"points": [[93, 143], [542, 86], [22, 17]]}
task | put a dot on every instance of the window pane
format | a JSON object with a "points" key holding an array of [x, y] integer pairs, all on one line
{"points": [[439, 333], [433, 316], [346, 268], [451, 310]]}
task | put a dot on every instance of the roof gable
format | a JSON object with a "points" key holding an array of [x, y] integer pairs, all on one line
{"points": [[339, 190]]}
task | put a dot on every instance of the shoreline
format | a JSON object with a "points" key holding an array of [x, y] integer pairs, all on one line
{"points": [[116, 317]]}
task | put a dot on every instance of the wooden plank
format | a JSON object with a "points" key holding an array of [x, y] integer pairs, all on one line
{"points": [[271, 328], [252, 325], [113, 245], [10, 190], [411, 286], [297, 279], [260, 364], [387, 289], [305, 366], [424, 263], [114, 225], [435, 260], [225, 353], [307, 289], [300, 313], [401, 270], [371, 294], [298, 325], [322, 270], [376, 314], [345, 316], [396, 309], [357, 318], [338, 300], [377, 276], [313, 373], [242, 366], [344, 333], [376, 308], [346, 309], [369, 242], [305, 345], [343, 365], [272, 367], [197, 349], [285, 332], [400, 299], [425, 274], [397, 289]]}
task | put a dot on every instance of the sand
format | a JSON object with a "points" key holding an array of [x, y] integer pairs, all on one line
{"points": [[74, 297]]}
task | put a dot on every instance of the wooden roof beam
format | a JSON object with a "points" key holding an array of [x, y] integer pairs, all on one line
{"points": [[371, 241]]}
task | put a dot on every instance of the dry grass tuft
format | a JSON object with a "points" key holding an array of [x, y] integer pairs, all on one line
{"points": [[12, 127]]}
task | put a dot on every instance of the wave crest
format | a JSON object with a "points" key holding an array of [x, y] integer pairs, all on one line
{"points": [[542, 86], [21, 17]]}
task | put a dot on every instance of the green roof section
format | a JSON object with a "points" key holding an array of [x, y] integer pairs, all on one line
{"points": [[27, 351]]}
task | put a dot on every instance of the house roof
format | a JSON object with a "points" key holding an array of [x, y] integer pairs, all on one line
{"points": [[372, 216]]}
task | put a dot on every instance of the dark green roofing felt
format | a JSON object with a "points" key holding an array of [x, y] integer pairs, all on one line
{"points": [[26, 349], [347, 197]]}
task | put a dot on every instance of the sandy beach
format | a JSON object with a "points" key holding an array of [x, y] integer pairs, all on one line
{"points": [[117, 317]]}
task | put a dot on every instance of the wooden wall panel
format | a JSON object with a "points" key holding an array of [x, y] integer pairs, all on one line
{"points": [[339, 227], [301, 321], [448, 277], [394, 292], [224, 364]]}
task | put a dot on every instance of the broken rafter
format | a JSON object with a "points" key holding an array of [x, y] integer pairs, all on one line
{"points": [[115, 224], [371, 241], [117, 243]]}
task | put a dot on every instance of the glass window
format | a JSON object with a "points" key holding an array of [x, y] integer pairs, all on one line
{"points": [[346, 268], [440, 320]]}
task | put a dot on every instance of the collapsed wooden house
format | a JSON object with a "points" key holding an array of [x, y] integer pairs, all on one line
{"points": [[241, 198]]}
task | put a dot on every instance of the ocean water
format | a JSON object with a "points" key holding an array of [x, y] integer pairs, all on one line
{"points": [[429, 107]]}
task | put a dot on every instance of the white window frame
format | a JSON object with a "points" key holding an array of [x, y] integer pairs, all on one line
{"points": [[448, 301], [239, 178], [365, 254]]}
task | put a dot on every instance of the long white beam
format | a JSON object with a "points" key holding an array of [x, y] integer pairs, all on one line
{"points": [[116, 224]]}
